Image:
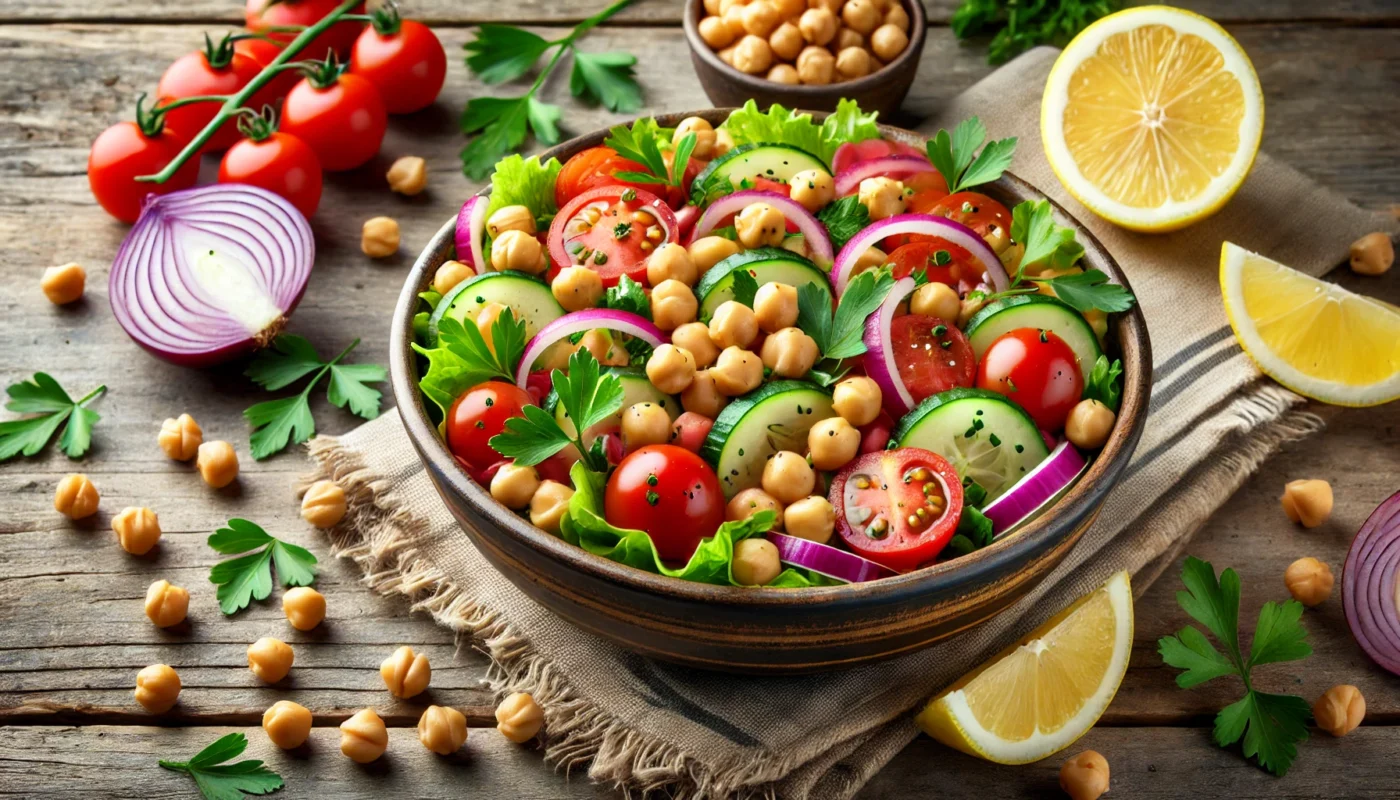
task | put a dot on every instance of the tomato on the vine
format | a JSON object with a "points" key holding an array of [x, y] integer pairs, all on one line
{"points": [[611, 231], [263, 15], [1037, 370], [898, 508], [219, 69], [263, 52], [479, 414], [932, 354], [280, 163], [975, 210], [406, 64], [668, 492], [341, 117], [127, 151]]}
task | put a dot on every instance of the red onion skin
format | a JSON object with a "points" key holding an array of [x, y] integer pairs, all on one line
{"points": [[466, 236], [843, 268], [876, 339], [1368, 585], [567, 324], [895, 166], [792, 211], [1005, 511]]}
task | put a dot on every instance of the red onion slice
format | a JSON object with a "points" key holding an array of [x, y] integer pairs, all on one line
{"points": [[1037, 489], [212, 273], [954, 232], [850, 153], [1369, 588], [879, 351], [471, 227], [580, 321], [897, 167], [824, 559], [729, 205]]}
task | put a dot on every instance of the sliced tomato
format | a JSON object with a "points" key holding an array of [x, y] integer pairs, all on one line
{"points": [[932, 355], [898, 508], [671, 494], [610, 231], [597, 167], [690, 429], [1037, 370], [928, 188], [975, 210]]}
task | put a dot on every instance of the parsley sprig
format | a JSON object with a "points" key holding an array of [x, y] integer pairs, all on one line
{"points": [[588, 397], [218, 780], [1021, 26], [249, 577], [277, 423], [1272, 725], [843, 219], [1052, 247], [839, 336], [496, 361], [958, 160], [43, 396], [641, 143]]}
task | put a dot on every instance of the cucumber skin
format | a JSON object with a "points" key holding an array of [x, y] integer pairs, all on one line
{"points": [[720, 272], [449, 299], [715, 170], [733, 413], [1030, 302], [929, 404]]}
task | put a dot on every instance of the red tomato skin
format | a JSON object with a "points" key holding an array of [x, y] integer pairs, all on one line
{"points": [[191, 76], [975, 210], [1038, 371], [596, 168], [876, 434], [407, 67], [263, 14], [282, 164], [263, 52], [686, 503], [690, 429], [123, 153], [344, 123], [616, 265], [929, 188], [901, 548], [925, 365], [480, 413]]}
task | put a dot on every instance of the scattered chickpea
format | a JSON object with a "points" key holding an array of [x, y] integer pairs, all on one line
{"points": [[702, 396], [323, 505], [788, 477], [810, 518], [511, 218], [813, 188], [816, 66], [1308, 502], [1085, 777], [1309, 581], [936, 300], [1089, 424], [137, 529], [694, 337], [157, 688], [897, 17], [708, 251], [832, 443], [751, 501], [217, 463], [817, 26], [304, 607], [860, 15], [790, 353], [405, 673], [519, 718], [644, 424], [785, 74], [671, 262], [442, 730], [760, 225], [180, 438], [716, 33], [1340, 709], [847, 38], [673, 304], [755, 562], [857, 400], [514, 484], [408, 175], [63, 285], [733, 325], [1372, 254], [704, 136], [166, 604], [449, 275], [379, 238], [760, 18], [733, 18], [786, 41], [287, 724], [752, 55], [363, 737], [270, 659], [671, 368], [888, 41], [577, 288], [724, 142], [736, 372], [548, 505], [775, 306], [75, 497], [882, 197], [517, 250]]}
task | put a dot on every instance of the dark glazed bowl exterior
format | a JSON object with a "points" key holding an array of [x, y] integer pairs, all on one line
{"points": [[882, 90], [770, 630]]}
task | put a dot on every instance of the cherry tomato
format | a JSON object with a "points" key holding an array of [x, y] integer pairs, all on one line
{"points": [[263, 52], [480, 413], [899, 507], [928, 188], [690, 429], [1037, 370], [977, 211], [122, 153], [344, 123], [192, 75], [613, 243], [597, 167], [281, 164], [932, 355], [407, 66], [261, 15], [669, 493]]}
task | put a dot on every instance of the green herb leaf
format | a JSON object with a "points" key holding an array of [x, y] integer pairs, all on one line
{"points": [[863, 295], [588, 398], [606, 78], [846, 124], [288, 360], [531, 438], [956, 158], [1086, 291], [462, 358], [745, 287], [628, 295], [1046, 243], [43, 395], [501, 53], [219, 781], [520, 181], [501, 125], [1190, 650], [277, 423], [814, 314], [681, 161], [1104, 383], [248, 577], [347, 388], [843, 219], [640, 145], [1020, 26], [778, 125], [544, 120]]}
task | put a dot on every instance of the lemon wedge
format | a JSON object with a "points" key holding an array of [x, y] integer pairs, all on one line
{"points": [[1040, 695], [1152, 117], [1314, 337]]}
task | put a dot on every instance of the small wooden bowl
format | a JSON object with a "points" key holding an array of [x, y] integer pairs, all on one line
{"points": [[770, 630], [882, 90]]}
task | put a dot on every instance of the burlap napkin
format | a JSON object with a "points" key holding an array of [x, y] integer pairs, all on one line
{"points": [[643, 725]]}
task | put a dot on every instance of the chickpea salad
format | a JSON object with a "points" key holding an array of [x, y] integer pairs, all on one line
{"points": [[773, 353]]}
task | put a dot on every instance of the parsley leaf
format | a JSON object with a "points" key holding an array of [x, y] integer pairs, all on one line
{"points": [[642, 143], [276, 423], [502, 126], [247, 577], [1271, 725], [628, 295], [956, 158], [1103, 383], [844, 219], [1021, 26], [974, 532], [840, 337], [42, 395], [531, 438], [1086, 291], [1046, 243], [606, 78], [745, 287], [219, 781], [588, 398], [501, 53]]}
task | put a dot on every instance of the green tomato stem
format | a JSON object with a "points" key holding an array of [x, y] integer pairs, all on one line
{"points": [[185, 101]]}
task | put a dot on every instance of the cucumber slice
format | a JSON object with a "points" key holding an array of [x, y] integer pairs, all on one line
{"points": [[1035, 311], [636, 388], [777, 162], [984, 436], [527, 296], [773, 417], [767, 265]]}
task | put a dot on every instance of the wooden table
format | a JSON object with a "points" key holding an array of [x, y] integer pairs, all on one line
{"points": [[72, 632]]}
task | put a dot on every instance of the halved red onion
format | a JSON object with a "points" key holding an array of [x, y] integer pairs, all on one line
{"points": [[812, 230], [471, 228], [1370, 592], [824, 559], [1037, 489], [960, 235], [212, 273], [879, 351], [581, 321], [897, 167]]}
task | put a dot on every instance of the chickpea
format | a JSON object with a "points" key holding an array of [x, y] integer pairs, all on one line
{"points": [[1085, 777], [897, 17], [760, 18], [736, 372], [832, 443], [449, 275], [724, 142], [733, 325], [936, 300], [1308, 502], [65, 284], [511, 218], [788, 477], [790, 353], [813, 188], [725, 5], [217, 463], [673, 304], [605, 351], [1372, 254], [785, 74], [760, 225], [644, 424], [519, 718], [711, 6], [166, 604], [408, 175], [323, 505], [751, 501], [287, 724], [137, 529], [75, 497], [786, 41], [709, 251], [817, 26], [442, 730], [888, 41], [671, 368], [834, 6], [970, 306], [363, 737], [514, 484], [694, 338], [882, 197], [752, 55], [810, 518], [379, 238], [846, 38], [157, 688], [860, 15], [755, 562], [1089, 424], [519, 251], [1340, 709], [670, 262], [775, 306], [406, 673], [789, 9], [548, 505], [872, 258], [304, 607], [180, 438], [703, 397], [486, 317], [857, 400], [270, 659], [1309, 581], [733, 19], [577, 288], [704, 136], [716, 33]]}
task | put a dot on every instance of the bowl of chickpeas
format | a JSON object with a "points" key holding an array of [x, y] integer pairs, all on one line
{"points": [[806, 53]]}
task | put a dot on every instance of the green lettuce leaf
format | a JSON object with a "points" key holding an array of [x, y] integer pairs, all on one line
{"points": [[778, 125], [525, 182]]}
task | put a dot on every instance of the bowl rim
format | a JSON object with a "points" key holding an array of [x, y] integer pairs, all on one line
{"points": [[918, 31], [948, 578]]}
